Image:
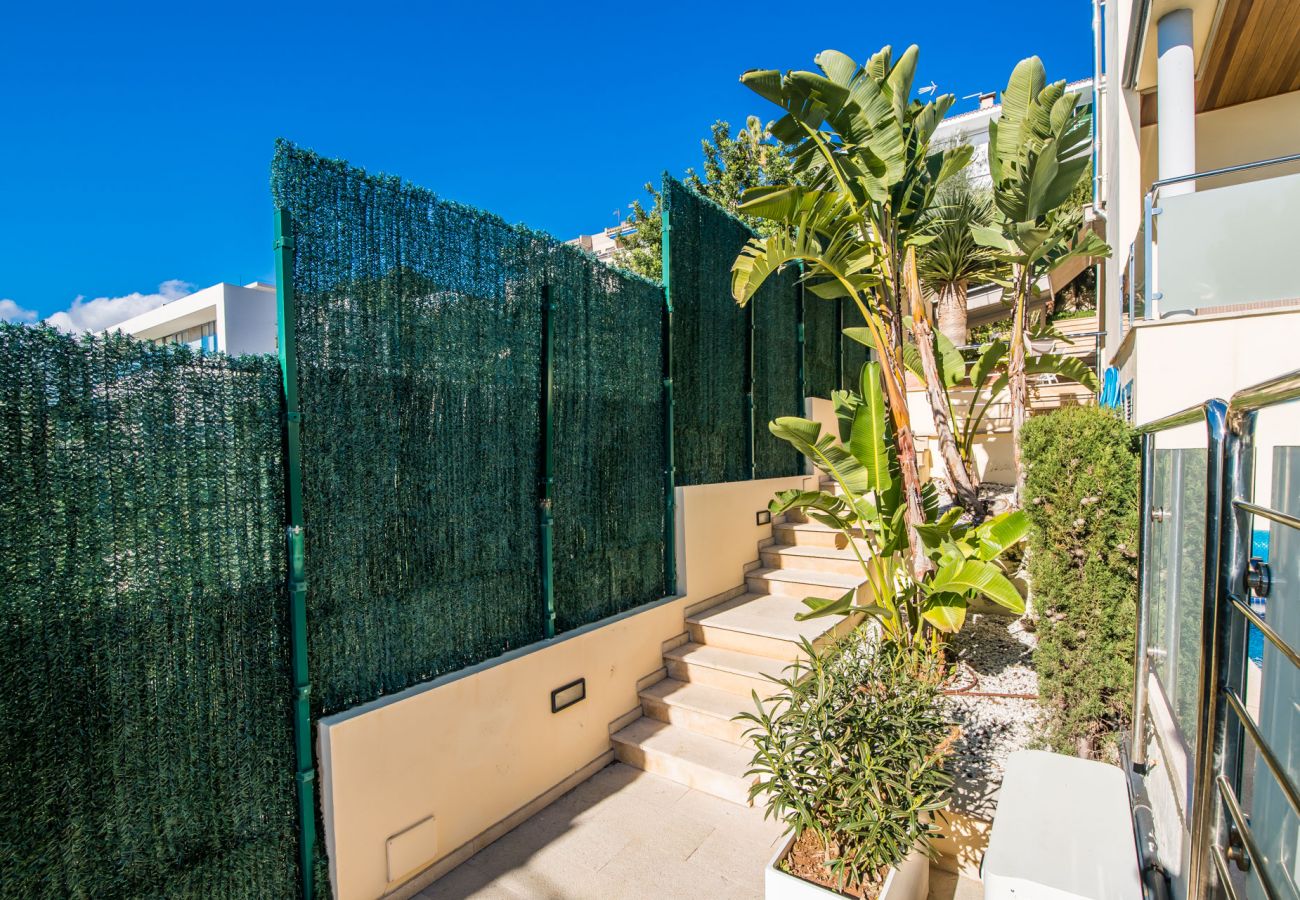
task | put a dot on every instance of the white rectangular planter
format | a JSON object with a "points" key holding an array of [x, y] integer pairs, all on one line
{"points": [[910, 881]]}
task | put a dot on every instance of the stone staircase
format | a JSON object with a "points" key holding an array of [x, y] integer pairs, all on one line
{"points": [[686, 731]]}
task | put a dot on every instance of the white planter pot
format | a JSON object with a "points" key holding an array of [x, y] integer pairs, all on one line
{"points": [[910, 881]]}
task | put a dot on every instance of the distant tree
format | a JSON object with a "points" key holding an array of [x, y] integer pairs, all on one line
{"points": [[752, 158], [953, 260]]}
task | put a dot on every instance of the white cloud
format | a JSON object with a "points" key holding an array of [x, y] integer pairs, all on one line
{"points": [[103, 312], [12, 312]]}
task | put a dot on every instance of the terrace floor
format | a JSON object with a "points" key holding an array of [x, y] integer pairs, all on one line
{"points": [[629, 834]]}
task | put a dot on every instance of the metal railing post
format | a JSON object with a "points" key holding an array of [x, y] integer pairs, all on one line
{"points": [[1221, 445], [295, 549], [1234, 562], [546, 477], [1150, 297]]}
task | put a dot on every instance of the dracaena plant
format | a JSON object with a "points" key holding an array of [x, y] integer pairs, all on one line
{"points": [[860, 152], [1038, 151], [850, 755], [868, 510]]}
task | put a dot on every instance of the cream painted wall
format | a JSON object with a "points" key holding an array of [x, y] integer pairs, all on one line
{"points": [[1177, 363], [1247, 132], [476, 746]]}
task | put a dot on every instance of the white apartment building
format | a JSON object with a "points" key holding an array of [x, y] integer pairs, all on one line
{"points": [[603, 244], [972, 127], [224, 317]]}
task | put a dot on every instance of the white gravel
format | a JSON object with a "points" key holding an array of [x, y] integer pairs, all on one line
{"points": [[997, 654]]}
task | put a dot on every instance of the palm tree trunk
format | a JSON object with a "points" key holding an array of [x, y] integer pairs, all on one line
{"points": [[895, 387], [905, 443], [1017, 382], [950, 311], [964, 482]]}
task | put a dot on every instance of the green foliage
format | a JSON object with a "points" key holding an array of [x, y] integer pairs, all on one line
{"points": [[869, 512], [732, 165], [1038, 157], [953, 257], [852, 749], [1081, 491], [989, 378], [145, 747], [864, 175]]}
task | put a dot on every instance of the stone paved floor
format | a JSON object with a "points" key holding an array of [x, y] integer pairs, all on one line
{"points": [[622, 834], [626, 834]]}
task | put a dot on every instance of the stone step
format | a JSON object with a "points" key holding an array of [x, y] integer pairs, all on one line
{"points": [[803, 582], [704, 763], [726, 670], [762, 624], [822, 559], [698, 708], [801, 533]]}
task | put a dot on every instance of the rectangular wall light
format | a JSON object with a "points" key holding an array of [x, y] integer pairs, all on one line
{"points": [[566, 695]]}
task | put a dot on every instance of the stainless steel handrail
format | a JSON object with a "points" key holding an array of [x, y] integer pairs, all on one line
{"points": [[1217, 819], [1281, 389], [1243, 829], [1267, 512], [1265, 751], [1225, 170]]}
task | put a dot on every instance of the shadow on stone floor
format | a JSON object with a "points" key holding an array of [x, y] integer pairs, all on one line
{"points": [[622, 834]]}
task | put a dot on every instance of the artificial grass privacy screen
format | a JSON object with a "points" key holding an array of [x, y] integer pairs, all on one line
{"points": [[716, 358], [145, 685], [419, 336], [144, 658]]}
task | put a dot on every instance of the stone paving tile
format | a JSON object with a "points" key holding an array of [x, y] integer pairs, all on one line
{"points": [[621, 834]]}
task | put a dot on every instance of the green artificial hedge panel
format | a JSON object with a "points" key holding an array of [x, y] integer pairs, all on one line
{"points": [[608, 438], [716, 359], [418, 337], [144, 657]]}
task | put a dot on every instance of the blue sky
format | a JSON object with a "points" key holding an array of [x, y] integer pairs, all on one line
{"points": [[135, 146]]}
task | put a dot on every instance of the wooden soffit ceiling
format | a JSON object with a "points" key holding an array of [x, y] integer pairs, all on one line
{"points": [[1253, 53]]}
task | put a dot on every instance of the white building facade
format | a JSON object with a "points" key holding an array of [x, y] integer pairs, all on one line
{"points": [[224, 318]]}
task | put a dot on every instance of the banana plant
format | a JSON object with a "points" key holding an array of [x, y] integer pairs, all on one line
{"points": [[989, 378], [870, 512], [1038, 151], [860, 149]]}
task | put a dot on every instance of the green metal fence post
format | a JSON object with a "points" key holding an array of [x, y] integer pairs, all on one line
{"points": [[546, 477], [305, 772], [670, 470], [839, 344], [801, 350], [750, 461]]}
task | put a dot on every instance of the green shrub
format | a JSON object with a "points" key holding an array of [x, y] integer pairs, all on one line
{"points": [[850, 755], [1081, 492]]}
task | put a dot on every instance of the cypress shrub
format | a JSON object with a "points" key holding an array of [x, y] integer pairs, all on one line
{"points": [[1081, 493]]}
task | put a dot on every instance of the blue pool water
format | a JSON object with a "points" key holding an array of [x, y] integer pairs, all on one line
{"points": [[1255, 637]]}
